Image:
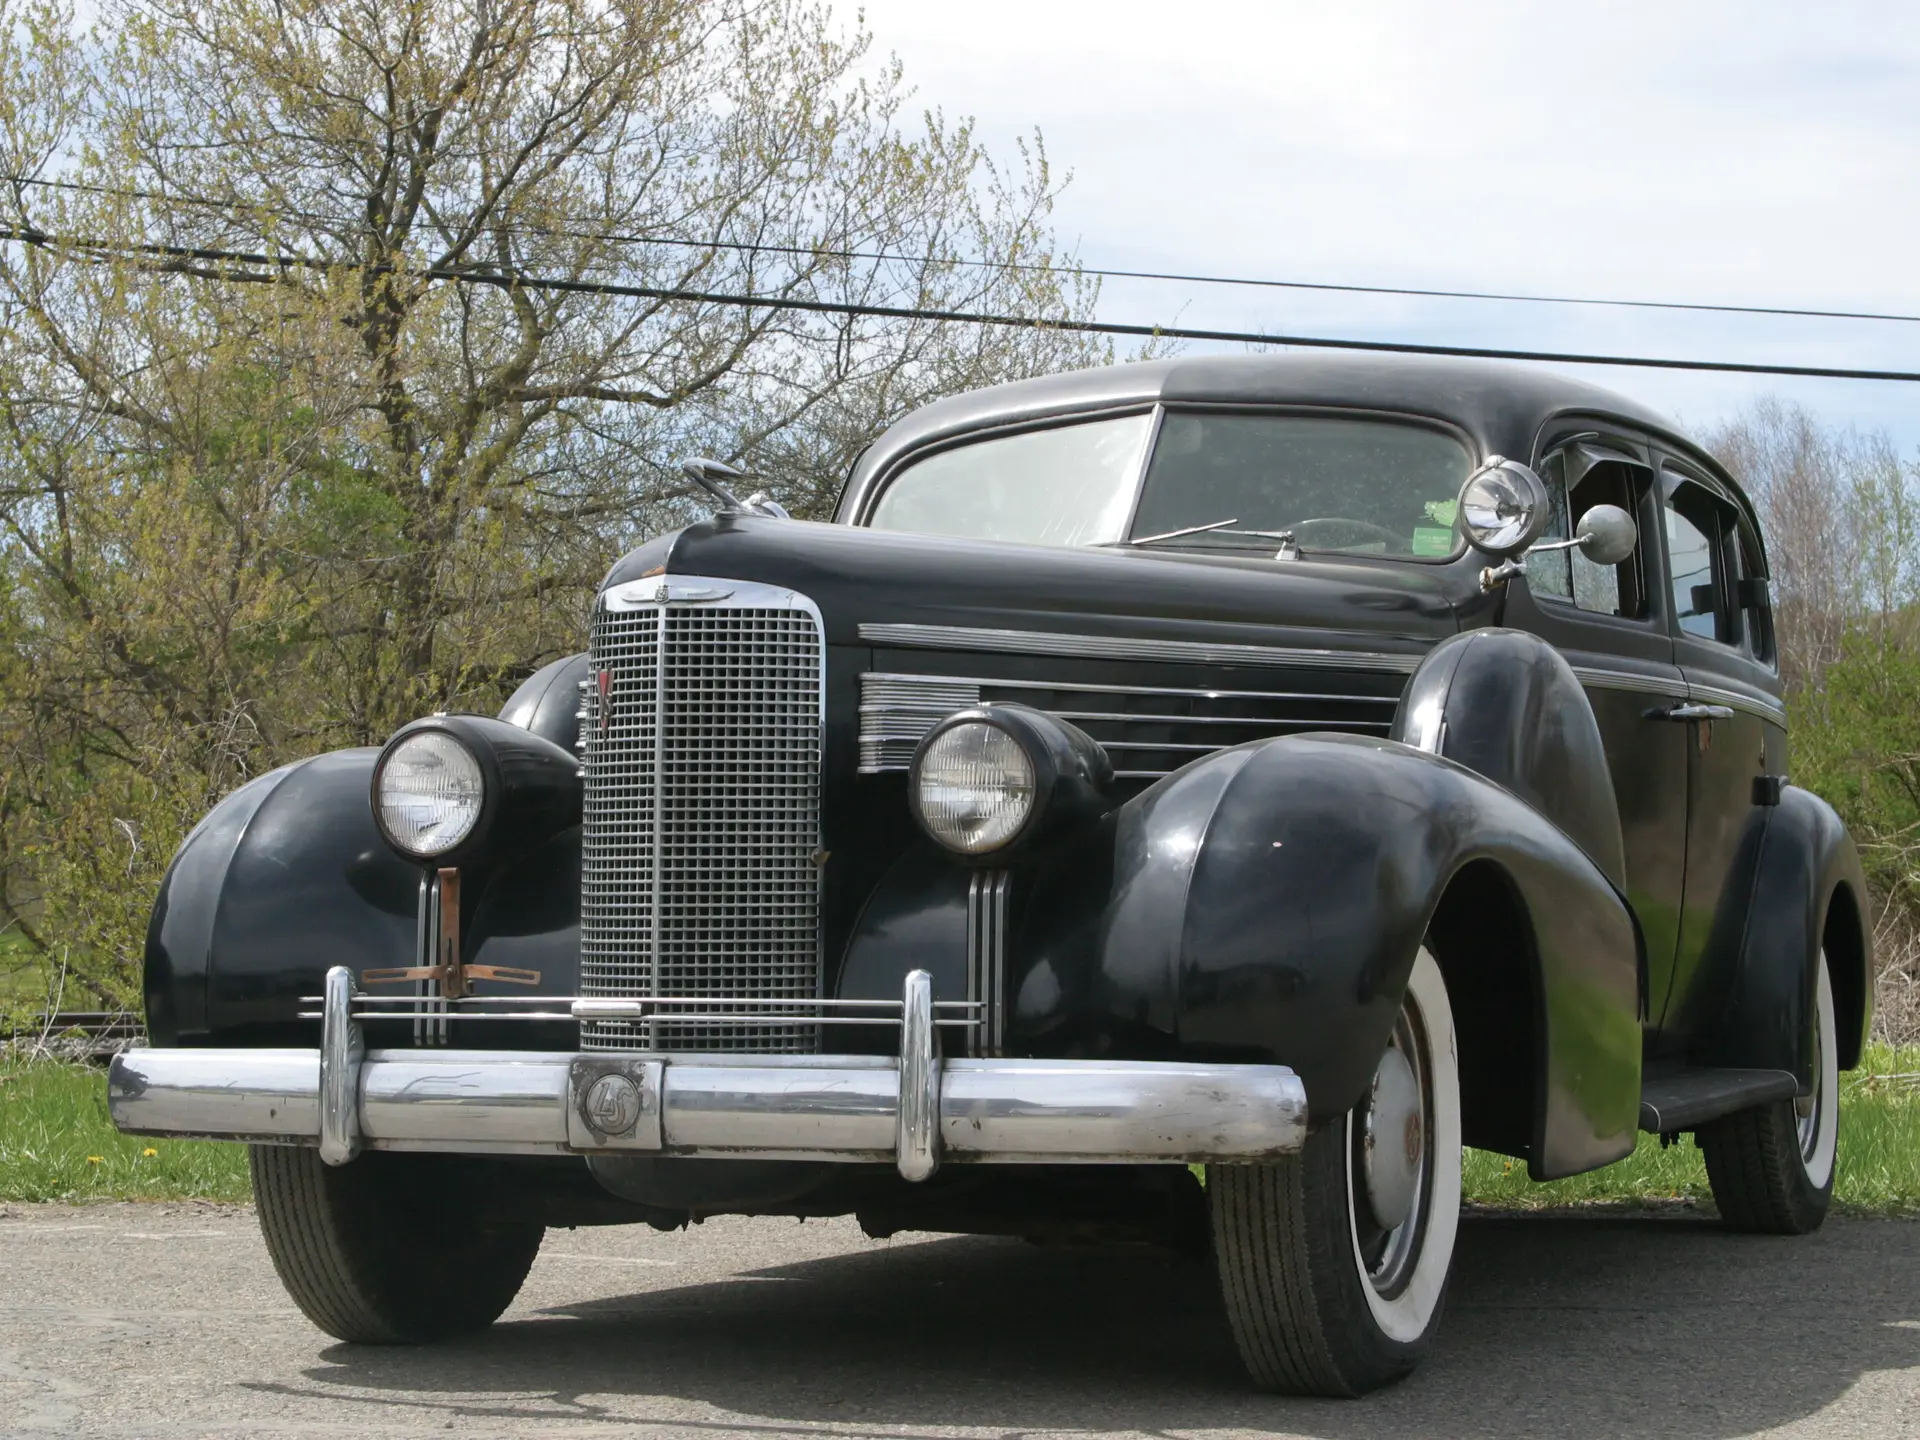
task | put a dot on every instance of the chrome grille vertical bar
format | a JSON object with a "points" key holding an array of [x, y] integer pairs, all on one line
{"points": [[652, 1033], [987, 958]]}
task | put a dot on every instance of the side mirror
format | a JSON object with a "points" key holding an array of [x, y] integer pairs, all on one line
{"points": [[1606, 535]]}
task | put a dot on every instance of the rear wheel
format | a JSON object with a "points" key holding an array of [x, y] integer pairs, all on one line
{"points": [[384, 1250], [1772, 1167], [1333, 1262]]}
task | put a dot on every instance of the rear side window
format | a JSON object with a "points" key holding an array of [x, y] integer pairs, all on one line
{"points": [[1715, 571], [1713, 564], [1698, 566]]}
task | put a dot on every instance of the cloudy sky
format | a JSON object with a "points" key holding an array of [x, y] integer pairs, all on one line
{"points": [[1752, 153]]}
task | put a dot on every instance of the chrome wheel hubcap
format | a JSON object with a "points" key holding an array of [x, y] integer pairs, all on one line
{"points": [[1392, 1159], [1393, 1140]]}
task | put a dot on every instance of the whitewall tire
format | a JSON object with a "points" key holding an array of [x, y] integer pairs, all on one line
{"points": [[1333, 1262]]}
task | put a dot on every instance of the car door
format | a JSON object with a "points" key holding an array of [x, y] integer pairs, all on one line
{"points": [[1611, 625], [1723, 644]]}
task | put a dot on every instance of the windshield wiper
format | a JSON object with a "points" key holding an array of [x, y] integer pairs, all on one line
{"points": [[1216, 527], [1176, 534]]}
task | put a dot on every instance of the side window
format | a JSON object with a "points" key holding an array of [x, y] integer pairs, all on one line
{"points": [[1755, 609], [1567, 575], [1703, 549]]}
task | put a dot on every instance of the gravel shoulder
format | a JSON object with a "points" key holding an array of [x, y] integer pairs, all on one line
{"points": [[166, 1320]]}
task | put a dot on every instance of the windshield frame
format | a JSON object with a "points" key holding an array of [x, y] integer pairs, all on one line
{"points": [[880, 484]]}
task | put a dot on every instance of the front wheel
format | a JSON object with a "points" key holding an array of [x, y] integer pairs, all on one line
{"points": [[1771, 1167], [1333, 1262], [385, 1250]]}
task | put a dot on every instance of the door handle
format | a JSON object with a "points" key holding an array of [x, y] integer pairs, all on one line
{"points": [[1694, 712]]}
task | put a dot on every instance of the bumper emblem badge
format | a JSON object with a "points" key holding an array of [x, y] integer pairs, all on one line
{"points": [[612, 1105]]}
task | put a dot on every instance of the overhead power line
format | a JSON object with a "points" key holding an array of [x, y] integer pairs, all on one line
{"points": [[184, 253], [1091, 272]]}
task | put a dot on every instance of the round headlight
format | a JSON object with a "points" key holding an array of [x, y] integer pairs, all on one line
{"points": [[429, 793], [1503, 507], [973, 787]]}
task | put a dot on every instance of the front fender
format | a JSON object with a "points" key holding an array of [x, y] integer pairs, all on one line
{"points": [[1267, 903], [288, 876]]}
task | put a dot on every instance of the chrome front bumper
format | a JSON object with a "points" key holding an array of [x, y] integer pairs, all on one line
{"points": [[914, 1110]]}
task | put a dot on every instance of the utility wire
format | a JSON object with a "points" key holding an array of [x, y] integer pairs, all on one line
{"points": [[1029, 267], [902, 312]]}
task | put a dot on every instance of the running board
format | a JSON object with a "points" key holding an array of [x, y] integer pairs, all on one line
{"points": [[1693, 1097]]}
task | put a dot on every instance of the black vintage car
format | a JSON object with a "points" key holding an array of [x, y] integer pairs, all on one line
{"points": [[1182, 801]]}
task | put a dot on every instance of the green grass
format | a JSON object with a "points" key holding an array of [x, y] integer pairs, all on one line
{"points": [[56, 1143], [1879, 1166]]}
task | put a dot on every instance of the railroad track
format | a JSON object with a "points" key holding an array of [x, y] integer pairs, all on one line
{"points": [[79, 1032]]}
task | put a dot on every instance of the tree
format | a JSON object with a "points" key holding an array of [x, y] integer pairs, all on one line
{"points": [[252, 509]]}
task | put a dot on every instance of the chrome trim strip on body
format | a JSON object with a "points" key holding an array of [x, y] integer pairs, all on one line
{"points": [[897, 710], [1752, 704], [1678, 688], [1672, 689], [971, 684], [909, 1108], [987, 958], [1108, 647]]}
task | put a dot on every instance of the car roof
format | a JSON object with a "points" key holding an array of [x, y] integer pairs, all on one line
{"points": [[1501, 408]]}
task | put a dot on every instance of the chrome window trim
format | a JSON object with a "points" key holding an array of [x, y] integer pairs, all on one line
{"points": [[1109, 647]]}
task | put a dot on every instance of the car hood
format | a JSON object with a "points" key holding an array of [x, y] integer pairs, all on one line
{"points": [[864, 577]]}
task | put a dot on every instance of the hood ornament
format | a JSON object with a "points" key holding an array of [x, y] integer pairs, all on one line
{"points": [[712, 475]]}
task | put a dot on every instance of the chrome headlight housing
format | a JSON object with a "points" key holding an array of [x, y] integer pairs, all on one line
{"points": [[997, 778], [973, 786], [428, 793], [1504, 507], [456, 788]]}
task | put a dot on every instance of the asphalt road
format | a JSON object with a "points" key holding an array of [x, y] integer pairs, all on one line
{"points": [[167, 1321]]}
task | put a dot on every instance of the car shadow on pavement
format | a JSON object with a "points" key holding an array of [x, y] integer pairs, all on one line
{"points": [[1555, 1326]]}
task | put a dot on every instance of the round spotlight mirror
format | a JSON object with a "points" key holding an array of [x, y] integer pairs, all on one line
{"points": [[1606, 534], [1503, 507]]}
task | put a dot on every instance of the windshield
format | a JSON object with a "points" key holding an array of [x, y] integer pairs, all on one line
{"points": [[1335, 485], [1362, 487], [1068, 485]]}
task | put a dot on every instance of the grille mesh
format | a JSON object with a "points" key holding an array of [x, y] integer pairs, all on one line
{"points": [[702, 820]]}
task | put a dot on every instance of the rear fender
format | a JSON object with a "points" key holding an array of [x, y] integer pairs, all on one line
{"points": [[1797, 886]]}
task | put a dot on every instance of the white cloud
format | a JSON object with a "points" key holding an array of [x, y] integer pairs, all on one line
{"points": [[1744, 153]]}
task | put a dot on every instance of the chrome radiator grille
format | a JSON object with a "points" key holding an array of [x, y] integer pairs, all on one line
{"points": [[699, 874]]}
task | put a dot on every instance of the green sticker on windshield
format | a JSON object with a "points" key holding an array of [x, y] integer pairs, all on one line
{"points": [[1442, 511], [1432, 542]]}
